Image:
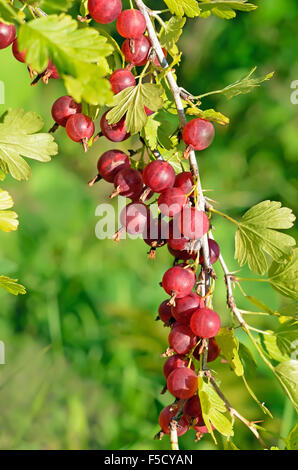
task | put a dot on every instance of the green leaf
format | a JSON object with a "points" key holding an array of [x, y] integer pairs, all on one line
{"points": [[183, 7], [229, 445], [19, 137], [283, 277], [209, 115], [290, 310], [282, 344], [151, 133], [11, 285], [247, 359], [292, 439], [226, 8], [78, 53], [7, 13], [131, 102], [243, 86], [171, 33], [55, 6], [8, 219], [229, 346], [256, 235], [287, 374]]}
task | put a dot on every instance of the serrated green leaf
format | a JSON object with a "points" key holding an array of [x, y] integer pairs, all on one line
{"points": [[78, 53], [151, 133], [271, 345], [171, 33], [183, 7], [19, 137], [256, 235], [224, 12], [209, 115], [131, 102], [12, 286], [229, 346], [282, 344], [292, 439], [283, 277], [287, 374]]}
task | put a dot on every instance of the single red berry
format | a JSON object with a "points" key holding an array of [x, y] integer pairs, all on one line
{"points": [[63, 108], [214, 252], [154, 235], [136, 50], [52, 71], [128, 183], [192, 408], [121, 79], [7, 34], [198, 134], [179, 281], [174, 362], [182, 383], [114, 132], [171, 201], [110, 163], [159, 176], [164, 311], [186, 306], [165, 417], [183, 255], [182, 339], [184, 181], [131, 24], [134, 218], [104, 12], [205, 323], [79, 127], [192, 223], [148, 111], [213, 351], [19, 55]]}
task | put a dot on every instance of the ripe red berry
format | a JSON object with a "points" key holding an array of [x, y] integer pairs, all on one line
{"points": [[174, 362], [201, 427], [186, 306], [182, 339], [166, 416], [213, 351], [104, 12], [179, 281], [154, 234], [52, 72], [205, 323], [79, 127], [182, 383], [131, 24], [184, 181], [214, 252], [20, 56], [114, 132], [63, 108], [156, 61], [134, 218], [192, 223], [198, 134], [136, 51], [148, 111], [158, 176], [164, 311], [128, 183], [183, 255], [121, 79], [192, 408], [7, 34], [171, 201], [110, 163]]}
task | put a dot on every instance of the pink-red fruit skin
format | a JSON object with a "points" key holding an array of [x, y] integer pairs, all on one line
{"points": [[205, 323], [141, 48], [110, 163], [131, 24], [63, 108], [134, 218], [114, 132], [213, 351], [121, 79], [19, 55], [186, 306], [184, 181], [214, 252], [7, 35], [171, 201], [181, 339], [192, 223], [182, 383], [165, 418], [79, 127], [159, 176], [198, 134], [179, 281], [103, 11], [174, 362], [129, 182], [164, 311]]}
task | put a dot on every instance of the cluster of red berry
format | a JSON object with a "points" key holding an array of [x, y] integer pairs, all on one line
{"points": [[193, 325]]}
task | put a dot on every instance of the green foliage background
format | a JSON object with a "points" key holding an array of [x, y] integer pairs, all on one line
{"points": [[82, 347]]}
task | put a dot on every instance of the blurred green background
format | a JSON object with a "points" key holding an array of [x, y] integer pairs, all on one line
{"points": [[82, 347]]}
